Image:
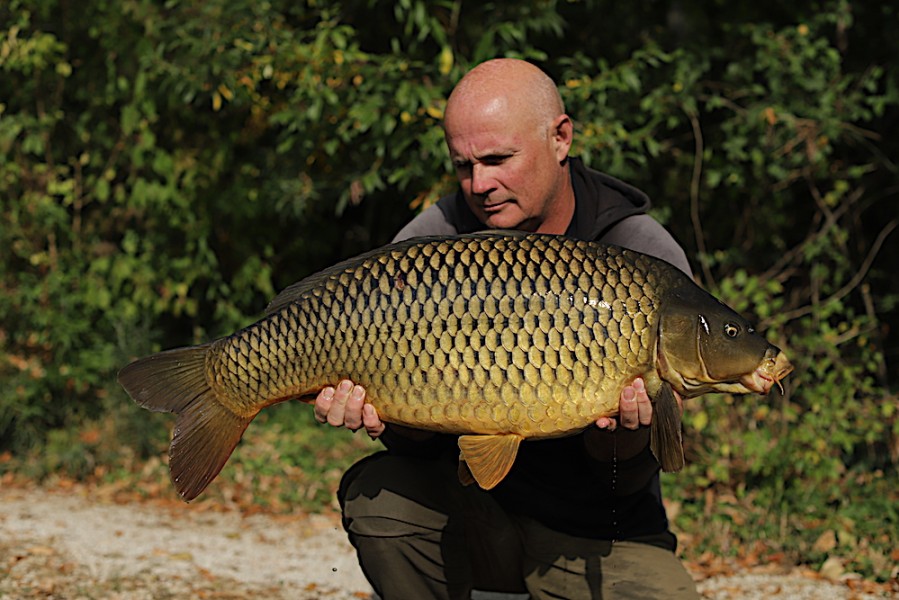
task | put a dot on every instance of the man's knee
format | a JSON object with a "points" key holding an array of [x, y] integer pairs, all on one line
{"points": [[397, 517], [563, 566], [386, 496], [412, 519]]}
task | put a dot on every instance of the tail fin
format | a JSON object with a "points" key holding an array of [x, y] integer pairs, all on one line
{"points": [[665, 432], [206, 431]]}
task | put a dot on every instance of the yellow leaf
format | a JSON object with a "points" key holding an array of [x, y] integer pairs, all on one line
{"points": [[700, 420], [226, 93], [216, 101], [446, 60]]}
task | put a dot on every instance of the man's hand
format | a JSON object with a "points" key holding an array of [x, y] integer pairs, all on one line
{"points": [[634, 408], [344, 406], [634, 412]]}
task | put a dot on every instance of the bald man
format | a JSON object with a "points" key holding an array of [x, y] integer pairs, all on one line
{"points": [[577, 517]]}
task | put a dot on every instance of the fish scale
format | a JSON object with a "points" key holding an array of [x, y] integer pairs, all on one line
{"points": [[497, 337]]}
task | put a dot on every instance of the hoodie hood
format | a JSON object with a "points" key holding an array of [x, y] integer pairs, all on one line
{"points": [[601, 201]]}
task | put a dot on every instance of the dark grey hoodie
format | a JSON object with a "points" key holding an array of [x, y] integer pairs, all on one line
{"points": [[556, 481]]}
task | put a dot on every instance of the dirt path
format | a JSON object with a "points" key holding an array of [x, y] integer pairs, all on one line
{"points": [[70, 545]]}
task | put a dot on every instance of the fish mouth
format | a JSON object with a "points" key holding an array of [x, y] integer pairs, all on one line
{"points": [[774, 367]]}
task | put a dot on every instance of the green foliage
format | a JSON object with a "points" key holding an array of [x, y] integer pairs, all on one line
{"points": [[288, 461], [166, 167]]}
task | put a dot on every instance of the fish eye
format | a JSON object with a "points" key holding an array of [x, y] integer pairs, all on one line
{"points": [[731, 330]]}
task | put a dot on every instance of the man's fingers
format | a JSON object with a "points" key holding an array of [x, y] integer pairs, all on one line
{"points": [[606, 423], [627, 408], [353, 411], [323, 404], [338, 403], [344, 406], [634, 407], [373, 424], [644, 406]]}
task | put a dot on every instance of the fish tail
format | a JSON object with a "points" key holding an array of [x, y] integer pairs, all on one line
{"points": [[206, 431], [665, 432]]}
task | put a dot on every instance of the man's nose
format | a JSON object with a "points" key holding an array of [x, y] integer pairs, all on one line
{"points": [[481, 182]]}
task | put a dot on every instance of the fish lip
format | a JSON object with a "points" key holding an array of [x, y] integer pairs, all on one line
{"points": [[772, 370], [758, 381]]}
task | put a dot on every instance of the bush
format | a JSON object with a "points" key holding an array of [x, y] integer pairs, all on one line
{"points": [[165, 168]]}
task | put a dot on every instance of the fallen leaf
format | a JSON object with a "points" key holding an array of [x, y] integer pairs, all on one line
{"points": [[832, 568], [41, 551], [826, 542]]}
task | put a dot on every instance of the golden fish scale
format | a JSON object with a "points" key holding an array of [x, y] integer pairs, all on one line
{"points": [[532, 335]]}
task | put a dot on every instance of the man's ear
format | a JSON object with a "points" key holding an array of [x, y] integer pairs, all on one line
{"points": [[562, 133]]}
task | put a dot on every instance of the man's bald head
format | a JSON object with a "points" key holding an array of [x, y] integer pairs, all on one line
{"points": [[508, 137], [515, 87]]}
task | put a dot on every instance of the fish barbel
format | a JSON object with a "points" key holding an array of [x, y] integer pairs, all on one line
{"points": [[496, 337]]}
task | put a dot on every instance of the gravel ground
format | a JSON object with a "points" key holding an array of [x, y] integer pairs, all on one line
{"points": [[73, 546]]}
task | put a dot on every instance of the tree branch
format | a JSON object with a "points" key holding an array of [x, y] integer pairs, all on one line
{"points": [[694, 198], [855, 280]]}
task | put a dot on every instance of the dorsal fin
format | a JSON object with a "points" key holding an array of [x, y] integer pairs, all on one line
{"points": [[295, 291], [489, 457]]}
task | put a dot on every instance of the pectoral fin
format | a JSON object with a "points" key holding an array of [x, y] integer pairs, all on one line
{"points": [[665, 432], [489, 457], [465, 476]]}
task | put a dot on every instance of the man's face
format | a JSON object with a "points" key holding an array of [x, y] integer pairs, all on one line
{"points": [[509, 168]]}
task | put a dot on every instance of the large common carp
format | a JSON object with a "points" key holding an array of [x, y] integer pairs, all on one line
{"points": [[498, 337]]}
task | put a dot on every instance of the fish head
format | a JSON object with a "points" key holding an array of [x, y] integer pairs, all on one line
{"points": [[706, 346]]}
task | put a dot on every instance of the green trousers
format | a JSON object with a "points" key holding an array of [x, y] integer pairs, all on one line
{"points": [[420, 534]]}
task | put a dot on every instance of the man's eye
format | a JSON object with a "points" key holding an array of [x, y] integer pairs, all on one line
{"points": [[497, 159]]}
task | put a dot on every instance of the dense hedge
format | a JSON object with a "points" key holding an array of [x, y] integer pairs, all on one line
{"points": [[166, 167]]}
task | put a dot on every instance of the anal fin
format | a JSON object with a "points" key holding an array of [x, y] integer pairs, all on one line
{"points": [[489, 457]]}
